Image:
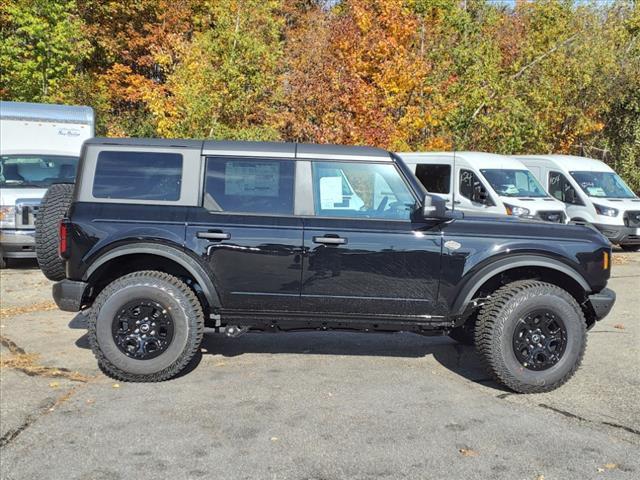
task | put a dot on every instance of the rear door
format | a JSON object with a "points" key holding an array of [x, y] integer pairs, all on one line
{"points": [[373, 259], [246, 232]]}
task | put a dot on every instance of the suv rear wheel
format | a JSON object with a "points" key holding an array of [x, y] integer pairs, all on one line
{"points": [[532, 335], [145, 327]]}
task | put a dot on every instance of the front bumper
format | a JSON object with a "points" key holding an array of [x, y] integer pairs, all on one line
{"points": [[69, 294], [620, 234], [18, 243], [602, 302]]}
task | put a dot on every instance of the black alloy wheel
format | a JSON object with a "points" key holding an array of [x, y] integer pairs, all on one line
{"points": [[540, 339], [143, 329]]}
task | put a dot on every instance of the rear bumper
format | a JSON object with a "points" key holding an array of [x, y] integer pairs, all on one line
{"points": [[69, 294], [620, 234], [602, 302], [18, 243]]}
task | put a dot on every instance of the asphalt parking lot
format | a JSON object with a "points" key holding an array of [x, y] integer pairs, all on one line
{"points": [[310, 405]]}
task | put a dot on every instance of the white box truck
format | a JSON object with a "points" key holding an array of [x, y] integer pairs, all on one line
{"points": [[486, 184], [39, 145], [593, 193]]}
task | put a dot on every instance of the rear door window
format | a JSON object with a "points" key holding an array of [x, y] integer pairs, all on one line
{"points": [[260, 186], [138, 176], [435, 178]]}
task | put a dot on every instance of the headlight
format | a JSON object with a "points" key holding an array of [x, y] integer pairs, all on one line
{"points": [[606, 211], [7, 216], [516, 211]]}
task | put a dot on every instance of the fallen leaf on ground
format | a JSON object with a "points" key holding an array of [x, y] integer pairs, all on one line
{"points": [[54, 384], [274, 439], [36, 307], [116, 385], [619, 326], [540, 477], [610, 466], [468, 452]]}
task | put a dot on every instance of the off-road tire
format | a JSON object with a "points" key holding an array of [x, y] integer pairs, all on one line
{"points": [[53, 208], [188, 324], [630, 248], [496, 325]]}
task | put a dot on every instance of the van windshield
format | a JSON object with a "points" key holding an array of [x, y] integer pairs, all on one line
{"points": [[603, 184], [38, 171], [514, 183]]}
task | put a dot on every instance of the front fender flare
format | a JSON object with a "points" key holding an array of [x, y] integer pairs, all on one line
{"points": [[479, 278]]}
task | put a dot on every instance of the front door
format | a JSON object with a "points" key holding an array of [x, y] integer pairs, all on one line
{"points": [[372, 259], [247, 234]]}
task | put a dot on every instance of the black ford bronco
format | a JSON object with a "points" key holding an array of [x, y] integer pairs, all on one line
{"points": [[159, 239]]}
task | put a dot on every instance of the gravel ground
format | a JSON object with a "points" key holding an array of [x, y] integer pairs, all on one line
{"points": [[310, 405]]}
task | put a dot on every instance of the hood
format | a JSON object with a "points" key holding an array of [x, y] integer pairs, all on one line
{"points": [[533, 228], [535, 204], [618, 203]]}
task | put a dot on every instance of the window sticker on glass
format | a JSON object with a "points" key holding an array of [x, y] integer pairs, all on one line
{"points": [[330, 192], [255, 179]]}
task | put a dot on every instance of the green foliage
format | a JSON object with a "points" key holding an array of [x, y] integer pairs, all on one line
{"points": [[42, 47], [226, 83]]}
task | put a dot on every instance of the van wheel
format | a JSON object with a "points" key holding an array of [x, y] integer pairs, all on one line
{"points": [[145, 327], [630, 248], [52, 210], [532, 336]]}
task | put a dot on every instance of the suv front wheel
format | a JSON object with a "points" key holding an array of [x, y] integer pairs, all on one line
{"points": [[532, 335], [145, 327]]}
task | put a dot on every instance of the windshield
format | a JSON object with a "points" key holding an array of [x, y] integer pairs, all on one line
{"points": [[40, 171], [602, 184], [514, 183]]}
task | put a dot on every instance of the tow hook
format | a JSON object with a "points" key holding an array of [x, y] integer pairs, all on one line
{"points": [[234, 331]]}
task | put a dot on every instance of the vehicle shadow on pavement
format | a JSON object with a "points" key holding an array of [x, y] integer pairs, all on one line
{"points": [[459, 359]]}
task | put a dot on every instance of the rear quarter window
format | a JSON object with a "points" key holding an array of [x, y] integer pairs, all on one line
{"points": [[138, 175]]}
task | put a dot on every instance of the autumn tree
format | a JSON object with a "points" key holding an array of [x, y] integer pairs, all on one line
{"points": [[42, 46], [226, 82]]}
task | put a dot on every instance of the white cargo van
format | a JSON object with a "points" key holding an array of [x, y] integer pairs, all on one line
{"points": [[485, 183], [593, 193], [39, 145]]}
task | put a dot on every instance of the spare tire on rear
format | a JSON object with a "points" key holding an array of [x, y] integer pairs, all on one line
{"points": [[52, 210]]}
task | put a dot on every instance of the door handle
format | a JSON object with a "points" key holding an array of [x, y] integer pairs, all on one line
{"points": [[330, 240], [219, 235]]}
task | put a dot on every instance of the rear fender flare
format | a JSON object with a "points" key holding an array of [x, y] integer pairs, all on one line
{"points": [[171, 253]]}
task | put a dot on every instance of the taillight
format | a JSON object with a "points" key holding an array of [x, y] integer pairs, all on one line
{"points": [[63, 245]]}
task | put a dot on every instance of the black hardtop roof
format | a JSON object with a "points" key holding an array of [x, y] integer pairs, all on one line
{"points": [[246, 148]]}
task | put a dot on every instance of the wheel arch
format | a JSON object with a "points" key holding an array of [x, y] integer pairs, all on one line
{"points": [[150, 256], [520, 267]]}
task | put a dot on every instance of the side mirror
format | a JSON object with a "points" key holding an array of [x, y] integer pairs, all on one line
{"points": [[433, 207], [480, 195]]}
